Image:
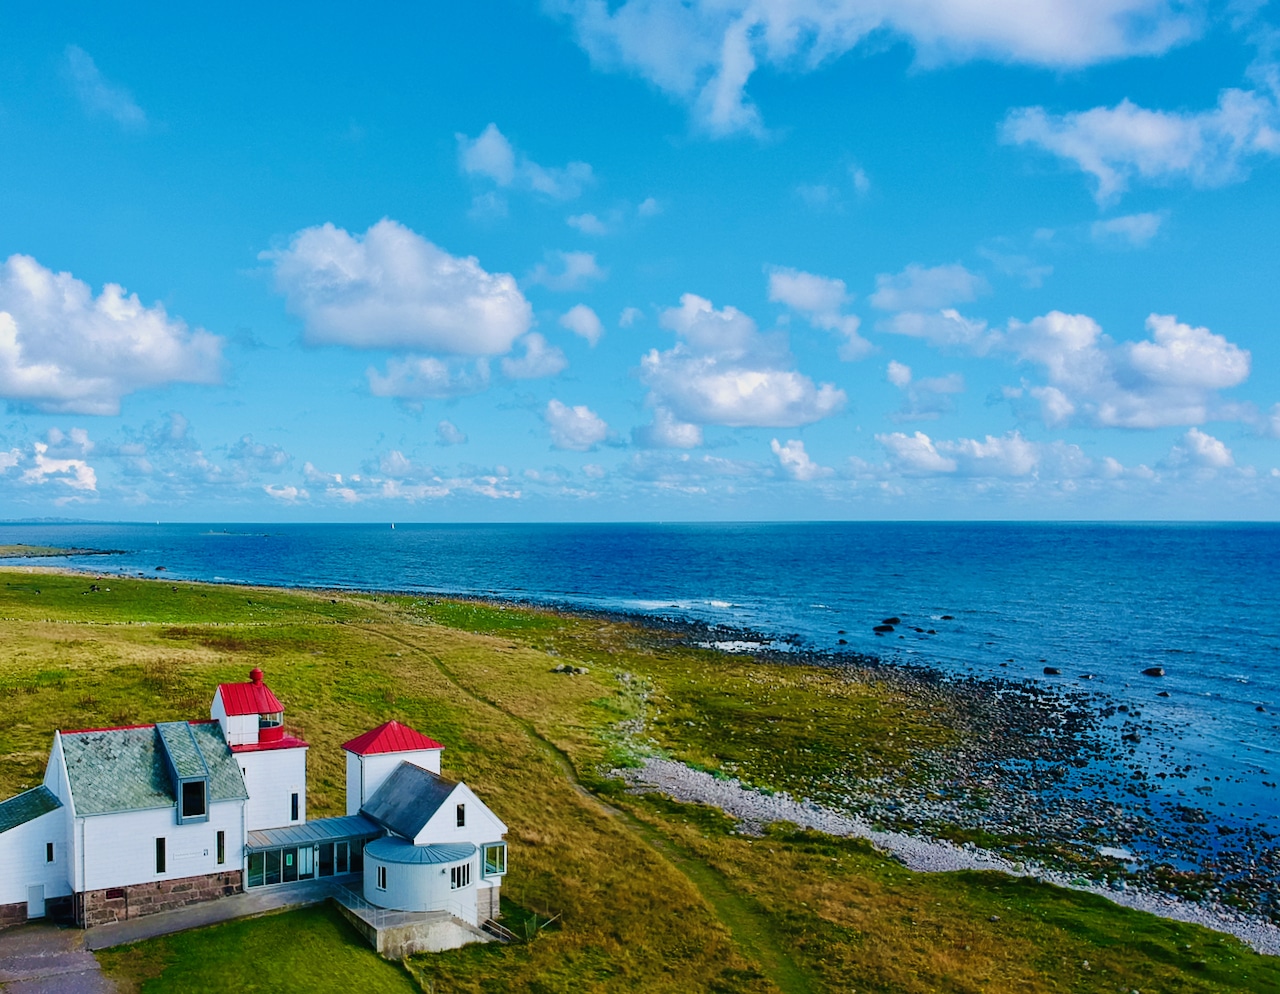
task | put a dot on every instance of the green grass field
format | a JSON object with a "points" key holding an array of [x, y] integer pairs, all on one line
{"points": [[652, 895]]}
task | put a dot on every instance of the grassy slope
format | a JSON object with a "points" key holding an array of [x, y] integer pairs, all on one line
{"points": [[654, 896]]}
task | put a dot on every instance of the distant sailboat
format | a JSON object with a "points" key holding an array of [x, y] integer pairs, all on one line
{"points": [[393, 526]]}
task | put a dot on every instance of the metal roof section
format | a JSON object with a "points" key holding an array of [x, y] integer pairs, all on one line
{"points": [[254, 697], [179, 745], [391, 736], [124, 769], [284, 742], [407, 799], [27, 806], [314, 832], [392, 850]]}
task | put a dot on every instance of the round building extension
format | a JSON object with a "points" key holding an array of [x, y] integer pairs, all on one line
{"points": [[401, 876]]}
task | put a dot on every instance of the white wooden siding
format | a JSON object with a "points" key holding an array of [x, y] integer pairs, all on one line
{"points": [[237, 729], [120, 849], [482, 824], [22, 858], [365, 774], [271, 776]]}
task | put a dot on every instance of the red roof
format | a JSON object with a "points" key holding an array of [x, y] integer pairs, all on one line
{"points": [[254, 697], [286, 742], [391, 737]]}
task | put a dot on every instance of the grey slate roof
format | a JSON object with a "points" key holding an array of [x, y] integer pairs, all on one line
{"points": [[407, 799], [392, 850], [27, 806], [123, 769], [312, 832], [177, 739]]}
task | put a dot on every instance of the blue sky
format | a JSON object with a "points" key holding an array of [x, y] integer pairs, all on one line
{"points": [[645, 260]]}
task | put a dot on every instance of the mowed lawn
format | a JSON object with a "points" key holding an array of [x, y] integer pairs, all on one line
{"points": [[651, 895]]}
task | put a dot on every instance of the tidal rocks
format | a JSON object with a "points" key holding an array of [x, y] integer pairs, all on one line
{"points": [[570, 670], [1153, 671], [947, 617], [883, 629], [1133, 737], [1163, 693], [1052, 671], [895, 620]]}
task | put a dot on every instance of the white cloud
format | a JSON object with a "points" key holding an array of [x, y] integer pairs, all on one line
{"points": [[97, 94], [73, 473], [9, 459], [915, 454], [1121, 144], [919, 289], [924, 400], [704, 52], [649, 207], [419, 377], [390, 288], [259, 455], [667, 432], [1170, 379], [820, 299], [64, 350], [629, 316], [899, 374], [492, 156], [588, 224], [577, 428], [540, 359], [796, 463], [583, 322], [564, 271], [1201, 451], [286, 494], [860, 180], [447, 433], [1008, 456], [725, 372], [945, 328], [1135, 230]]}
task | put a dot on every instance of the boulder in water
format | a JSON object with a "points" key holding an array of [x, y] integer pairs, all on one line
{"points": [[1153, 671], [1052, 671], [882, 629], [895, 620]]}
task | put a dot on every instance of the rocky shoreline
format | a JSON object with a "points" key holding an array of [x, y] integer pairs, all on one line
{"points": [[755, 809]]}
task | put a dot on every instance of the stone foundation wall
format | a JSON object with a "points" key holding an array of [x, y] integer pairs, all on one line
{"points": [[12, 914], [117, 904]]}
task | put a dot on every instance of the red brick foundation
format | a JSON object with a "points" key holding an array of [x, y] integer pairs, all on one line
{"points": [[117, 904]]}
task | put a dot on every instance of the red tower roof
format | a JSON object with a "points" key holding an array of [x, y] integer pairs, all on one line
{"points": [[391, 737], [254, 697]]}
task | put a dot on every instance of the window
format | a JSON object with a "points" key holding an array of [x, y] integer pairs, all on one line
{"points": [[272, 874], [159, 855], [193, 800], [48, 852], [293, 808], [494, 859], [326, 859], [459, 876], [290, 865], [222, 848], [257, 863], [382, 878], [462, 815], [340, 852]]}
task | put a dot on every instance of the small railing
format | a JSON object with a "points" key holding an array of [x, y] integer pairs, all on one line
{"points": [[499, 932], [381, 918]]}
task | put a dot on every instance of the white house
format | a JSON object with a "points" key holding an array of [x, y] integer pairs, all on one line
{"points": [[132, 821]]}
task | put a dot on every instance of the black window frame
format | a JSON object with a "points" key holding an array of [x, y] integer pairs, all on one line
{"points": [[161, 860], [221, 847], [48, 852], [381, 881], [294, 806], [462, 816], [185, 814]]}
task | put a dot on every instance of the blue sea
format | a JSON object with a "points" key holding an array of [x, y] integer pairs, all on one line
{"points": [[1201, 601]]}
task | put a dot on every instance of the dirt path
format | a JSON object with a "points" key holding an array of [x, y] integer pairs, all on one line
{"points": [[749, 928]]}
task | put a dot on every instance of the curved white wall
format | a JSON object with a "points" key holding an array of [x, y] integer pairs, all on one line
{"points": [[421, 887]]}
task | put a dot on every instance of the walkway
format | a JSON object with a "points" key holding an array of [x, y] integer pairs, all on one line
{"points": [[257, 901], [42, 958]]}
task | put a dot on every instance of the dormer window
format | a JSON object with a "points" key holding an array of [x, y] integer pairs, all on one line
{"points": [[194, 801]]}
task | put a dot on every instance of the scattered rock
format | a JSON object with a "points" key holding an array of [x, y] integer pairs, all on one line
{"points": [[1133, 737], [883, 628], [993, 918], [570, 670], [1052, 671], [947, 617], [1153, 671], [842, 641], [895, 620], [1163, 693]]}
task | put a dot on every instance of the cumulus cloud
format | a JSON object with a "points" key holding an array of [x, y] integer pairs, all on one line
{"points": [[583, 322], [390, 288], [540, 359], [1118, 145], [821, 299], [703, 53], [917, 288], [447, 433], [286, 494], [75, 474], [259, 455], [64, 350], [412, 483], [1200, 451], [97, 94], [1134, 230], [491, 155], [1008, 456], [588, 224], [923, 400], [426, 377], [629, 316], [945, 328], [1170, 379], [667, 432], [723, 371], [576, 428], [796, 463], [563, 271]]}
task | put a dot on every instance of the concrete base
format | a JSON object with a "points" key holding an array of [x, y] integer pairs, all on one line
{"points": [[408, 934]]}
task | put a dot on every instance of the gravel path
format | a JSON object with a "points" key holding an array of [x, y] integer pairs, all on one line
{"points": [[755, 810]]}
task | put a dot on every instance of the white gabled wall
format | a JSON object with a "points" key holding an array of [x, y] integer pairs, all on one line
{"points": [[365, 774], [22, 858], [482, 824], [120, 849], [237, 729], [271, 776]]}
